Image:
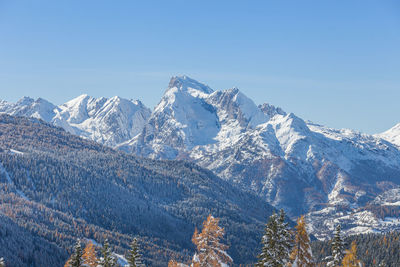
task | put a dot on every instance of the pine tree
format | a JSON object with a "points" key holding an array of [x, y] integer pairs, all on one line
{"points": [[76, 258], [285, 240], [350, 259], [337, 249], [134, 257], [107, 260], [2, 264], [89, 255], [277, 242], [301, 255], [210, 252]]}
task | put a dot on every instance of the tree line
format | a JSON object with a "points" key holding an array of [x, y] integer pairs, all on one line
{"points": [[88, 257], [281, 247]]}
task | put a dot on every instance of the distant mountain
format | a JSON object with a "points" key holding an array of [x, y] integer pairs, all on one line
{"points": [[58, 187], [106, 121], [392, 135], [331, 175]]}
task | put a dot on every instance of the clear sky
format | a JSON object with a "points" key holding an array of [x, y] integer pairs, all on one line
{"points": [[333, 62]]}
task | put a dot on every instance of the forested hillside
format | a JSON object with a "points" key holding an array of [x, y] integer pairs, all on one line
{"points": [[58, 187], [372, 249]]}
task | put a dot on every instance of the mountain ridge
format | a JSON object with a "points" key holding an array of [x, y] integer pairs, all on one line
{"points": [[293, 164]]}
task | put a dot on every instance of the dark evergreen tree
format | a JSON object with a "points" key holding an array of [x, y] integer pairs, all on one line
{"points": [[134, 256], [277, 242], [107, 259], [374, 249], [285, 242], [337, 248], [76, 258]]}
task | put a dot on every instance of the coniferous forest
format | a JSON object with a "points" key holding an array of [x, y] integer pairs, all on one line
{"points": [[66, 201], [280, 246]]}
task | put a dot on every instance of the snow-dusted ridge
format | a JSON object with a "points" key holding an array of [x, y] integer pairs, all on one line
{"points": [[108, 121], [392, 135], [332, 175]]}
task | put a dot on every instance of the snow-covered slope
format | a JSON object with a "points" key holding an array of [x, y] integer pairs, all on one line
{"points": [[26, 106], [392, 135], [107, 121], [297, 165]]}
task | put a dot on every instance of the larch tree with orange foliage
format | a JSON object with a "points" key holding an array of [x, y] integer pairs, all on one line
{"points": [[301, 255], [210, 251], [173, 263], [89, 255], [350, 259]]}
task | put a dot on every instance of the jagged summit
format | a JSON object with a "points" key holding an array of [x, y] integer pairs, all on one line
{"points": [[392, 135], [109, 121], [184, 83], [25, 100], [271, 110], [26, 106]]}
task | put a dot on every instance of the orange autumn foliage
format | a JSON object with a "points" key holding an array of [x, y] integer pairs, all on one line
{"points": [[210, 252]]}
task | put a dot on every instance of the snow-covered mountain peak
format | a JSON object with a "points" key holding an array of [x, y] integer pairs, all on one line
{"points": [[185, 93], [137, 102], [76, 110], [25, 101], [77, 100], [249, 109], [296, 122], [42, 109], [110, 121], [26, 106], [290, 130], [122, 105], [271, 110], [182, 92], [117, 98], [184, 83], [233, 105], [392, 135]]}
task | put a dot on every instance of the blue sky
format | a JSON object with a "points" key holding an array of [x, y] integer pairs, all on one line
{"points": [[333, 62]]}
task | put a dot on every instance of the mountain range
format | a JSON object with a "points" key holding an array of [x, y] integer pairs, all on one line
{"points": [[331, 175]]}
